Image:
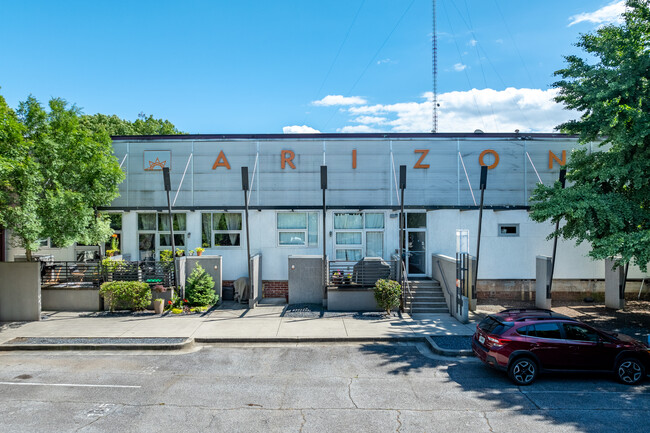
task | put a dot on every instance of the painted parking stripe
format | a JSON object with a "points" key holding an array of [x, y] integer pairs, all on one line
{"points": [[75, 385]]}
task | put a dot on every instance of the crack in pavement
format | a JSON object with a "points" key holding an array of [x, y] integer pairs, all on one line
{"points": [[487, 421], [304, 421], [350, 393], [399, 422]]}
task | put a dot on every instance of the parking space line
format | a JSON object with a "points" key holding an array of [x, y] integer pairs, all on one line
{"points": [[74, 385]]}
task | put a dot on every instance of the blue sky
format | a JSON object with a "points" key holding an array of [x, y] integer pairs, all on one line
{"points": [[272, 66]]}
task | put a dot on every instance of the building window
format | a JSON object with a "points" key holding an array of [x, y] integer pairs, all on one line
{"points": [[221, 229], [116, 226], [358, 235], [297, 228], [154, 234], [508, 229]]}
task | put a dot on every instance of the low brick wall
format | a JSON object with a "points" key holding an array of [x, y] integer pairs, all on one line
{"points": [[275, 289], [563, 290]]}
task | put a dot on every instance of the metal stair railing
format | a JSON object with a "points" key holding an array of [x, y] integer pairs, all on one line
{"points": [[406, 286]]}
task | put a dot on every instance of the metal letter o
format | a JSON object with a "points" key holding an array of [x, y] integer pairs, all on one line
{"points": [[490, 151]]}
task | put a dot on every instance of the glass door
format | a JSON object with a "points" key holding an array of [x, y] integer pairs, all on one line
{"points": [[415, 244]]}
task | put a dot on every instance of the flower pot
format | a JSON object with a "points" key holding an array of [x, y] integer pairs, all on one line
{"points": [[158, 306], [198, 253]]}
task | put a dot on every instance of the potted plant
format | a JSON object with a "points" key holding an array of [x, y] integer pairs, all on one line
{"points": [[179, 252], [192, 252], [337, 277], [199, 251], [158, 305], [115, 246]]}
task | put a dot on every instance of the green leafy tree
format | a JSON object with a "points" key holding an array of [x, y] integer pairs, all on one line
{"points": [[59, 174], [199, 289], [607, 200], [143, 125], [20, 180]]}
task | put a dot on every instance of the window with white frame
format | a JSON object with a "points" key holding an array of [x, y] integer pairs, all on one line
{"points": [[297, 228], [358, 235], [221, 229], [154, 234]]}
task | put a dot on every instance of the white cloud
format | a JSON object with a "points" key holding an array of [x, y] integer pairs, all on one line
{"points": [[379, 62], [459, 67], [499, 41], [529, 110], [370, 120], [473, 42], [357, 128], [605, 15], [330, 100], [297, 129]]}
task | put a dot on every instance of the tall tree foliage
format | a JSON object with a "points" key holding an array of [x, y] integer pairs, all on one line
{"points": [[143, 125], [607, 201]]}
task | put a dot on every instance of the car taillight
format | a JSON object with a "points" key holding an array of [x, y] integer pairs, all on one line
{"points": [[497, 342]]}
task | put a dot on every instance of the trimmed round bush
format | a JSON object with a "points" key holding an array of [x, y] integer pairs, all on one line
{"points": [[134, 295], [387, 294]]}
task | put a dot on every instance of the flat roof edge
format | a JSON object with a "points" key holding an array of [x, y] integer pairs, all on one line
{"points": [[508, 135]]}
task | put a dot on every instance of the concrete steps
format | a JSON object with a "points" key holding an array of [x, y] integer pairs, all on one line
{"points": [[427, 297]]}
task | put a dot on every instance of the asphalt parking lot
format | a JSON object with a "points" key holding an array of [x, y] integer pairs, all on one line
{"points": [[302, 388]]}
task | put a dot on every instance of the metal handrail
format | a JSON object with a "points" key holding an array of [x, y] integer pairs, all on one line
{"points": [[359, 273]]}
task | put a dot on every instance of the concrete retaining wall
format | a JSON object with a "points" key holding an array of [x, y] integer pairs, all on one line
{"points": [[20, 291], [71, 299], [211, 264], [351, 300], [444, 270]]}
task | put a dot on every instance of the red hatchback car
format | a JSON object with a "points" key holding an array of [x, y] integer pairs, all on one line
{"points": [[527, 342]]}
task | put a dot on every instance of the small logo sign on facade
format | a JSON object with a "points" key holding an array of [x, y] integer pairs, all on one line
{"points": [[155, 160]]}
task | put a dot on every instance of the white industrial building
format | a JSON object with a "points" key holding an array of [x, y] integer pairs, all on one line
{"points": [[362, 198]]}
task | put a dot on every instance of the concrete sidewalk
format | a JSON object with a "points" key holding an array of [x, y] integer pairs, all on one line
{"points": [[231, 323]]}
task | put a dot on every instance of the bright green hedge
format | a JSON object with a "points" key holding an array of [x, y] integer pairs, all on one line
{"points": [[135, 295], [387, 294]]}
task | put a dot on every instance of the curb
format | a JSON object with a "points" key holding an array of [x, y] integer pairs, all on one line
{"points": [[216, 340], [34, 347], [447, 352]]}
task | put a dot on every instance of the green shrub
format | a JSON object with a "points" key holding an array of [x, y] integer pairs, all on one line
{"points": [[387, 294], [135, 295], [111, 265], [199, 289]]}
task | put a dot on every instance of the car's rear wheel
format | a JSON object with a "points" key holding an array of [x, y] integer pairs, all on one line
{"points": [[630, 371], [523, 371]]}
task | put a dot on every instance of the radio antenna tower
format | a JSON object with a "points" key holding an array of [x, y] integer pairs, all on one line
{"points": [[434, 47]]}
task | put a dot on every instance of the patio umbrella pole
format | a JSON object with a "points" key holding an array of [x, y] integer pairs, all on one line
{"points": [[402, 222], [484, 170]]}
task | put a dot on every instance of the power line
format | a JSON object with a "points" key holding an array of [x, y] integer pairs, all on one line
{"points": [[372, 59], [329, 71]]}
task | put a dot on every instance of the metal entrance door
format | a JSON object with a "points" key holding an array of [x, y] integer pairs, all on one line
{"points": [[415, 244]]}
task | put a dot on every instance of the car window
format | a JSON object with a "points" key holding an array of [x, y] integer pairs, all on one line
{"points": [[526, 330], [492, 325], [579, 333], [548, 330]]}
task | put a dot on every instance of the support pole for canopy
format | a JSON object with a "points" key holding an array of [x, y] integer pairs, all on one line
{"points": [[402, 222], [245, 187], [168, 187], [557, 226], [484, 170], [323, 185]]}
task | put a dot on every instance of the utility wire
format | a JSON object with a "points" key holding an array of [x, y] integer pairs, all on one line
{"points": [[372, 59], [329, 71]]}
